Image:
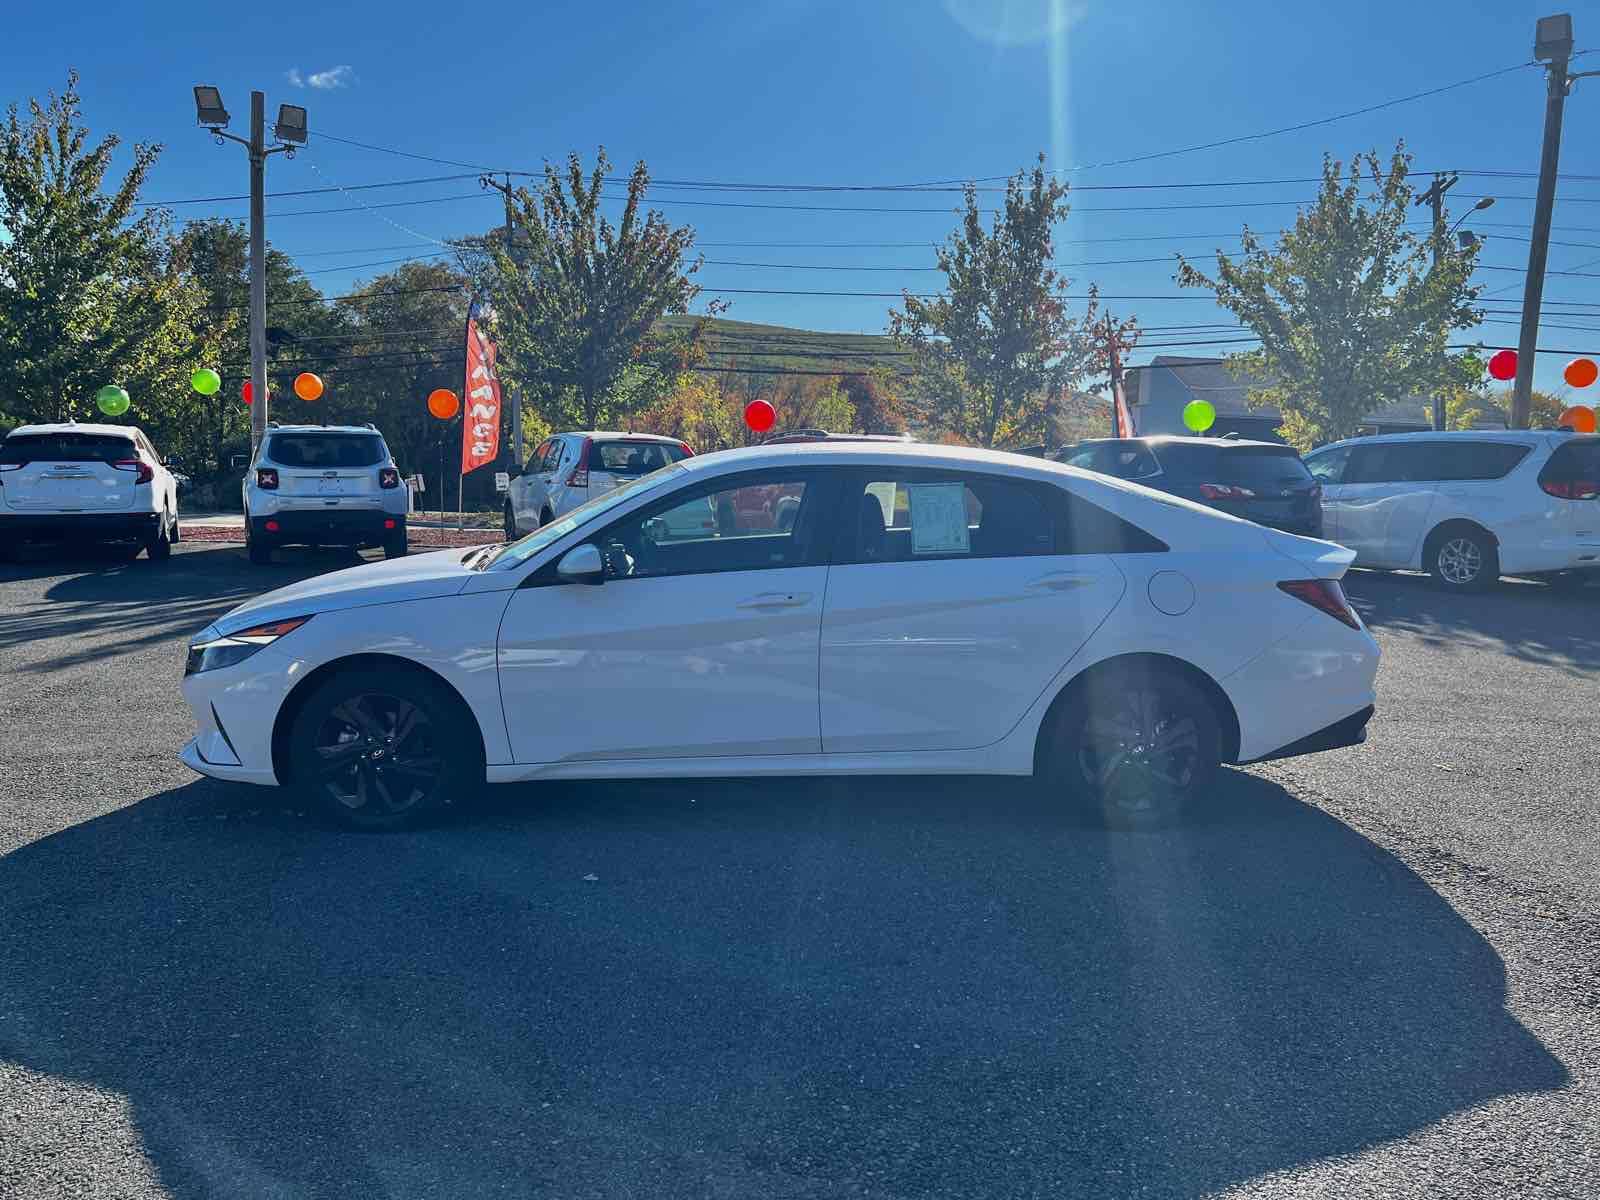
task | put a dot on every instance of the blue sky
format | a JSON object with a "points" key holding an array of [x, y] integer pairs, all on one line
{"points": [[849, 93]]}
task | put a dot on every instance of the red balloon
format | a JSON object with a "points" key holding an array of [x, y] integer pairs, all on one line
{"points": [[1581, 372], [248, 396], [759, 415], [1504, 365], [1580, 418]]}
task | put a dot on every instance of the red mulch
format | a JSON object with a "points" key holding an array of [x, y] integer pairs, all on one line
{"points": [[434, 538]]}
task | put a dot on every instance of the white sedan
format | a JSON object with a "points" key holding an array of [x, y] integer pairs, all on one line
{"points": [[920, 609]]}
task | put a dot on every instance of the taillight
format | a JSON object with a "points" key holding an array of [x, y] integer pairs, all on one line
{"points": [[1324, 594], [388, 477], [1225, 491], [580, 473], [145, 472], [267, 479], [1571, 489], [688, 451]]}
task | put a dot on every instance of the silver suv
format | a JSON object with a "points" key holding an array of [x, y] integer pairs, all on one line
{"points": [[324, 485]]}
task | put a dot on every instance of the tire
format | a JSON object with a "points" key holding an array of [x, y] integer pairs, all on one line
{"points": [[511, 525], [545, 517], [1091, 749], [394, 546], [260, 552], [159, 548], [1572, 582], [379, 749], [1463, 558]]}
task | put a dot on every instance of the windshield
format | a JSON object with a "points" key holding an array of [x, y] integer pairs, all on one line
{"points": [[514, 554]]}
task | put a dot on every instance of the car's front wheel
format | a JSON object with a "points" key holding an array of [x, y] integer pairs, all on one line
{"points": [[382, 749], [159, 546], [1135, 746], [1463, 558], [511, 525]]}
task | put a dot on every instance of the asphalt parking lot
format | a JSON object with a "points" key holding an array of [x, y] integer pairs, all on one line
{"points": [[1373, 972]]}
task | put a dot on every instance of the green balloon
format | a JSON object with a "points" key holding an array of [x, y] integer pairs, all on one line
{"points": [[113, 401], [205, 381], [1199, 415]]}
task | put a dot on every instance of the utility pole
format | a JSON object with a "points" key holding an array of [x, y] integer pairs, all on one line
{"points": [[1114, 359], [1553, 47], [258, 270], [1435, 196], [515, 404], [289, 132]]}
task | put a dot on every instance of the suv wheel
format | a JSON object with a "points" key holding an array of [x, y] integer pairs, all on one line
{"points": [[545, 517], [159, 547], [381, 749], [1136, 748], [1463, 558], [260, 552], [511, 525], [394, 544]]}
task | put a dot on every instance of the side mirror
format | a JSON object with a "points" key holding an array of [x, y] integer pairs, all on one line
{"points": [[582, 564]]}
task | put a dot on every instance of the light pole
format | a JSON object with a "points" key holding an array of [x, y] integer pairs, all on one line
{"points": [[289, 132], [1485, 202]]}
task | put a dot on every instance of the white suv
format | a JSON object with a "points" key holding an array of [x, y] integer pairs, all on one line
{"points": [[570, 469], [86, 483], [1465, 506], [323, 485]]}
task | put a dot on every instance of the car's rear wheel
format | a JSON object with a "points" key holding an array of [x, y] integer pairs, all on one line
{"points": [[394, 546], [259, 550], [159, 545], [1134, 746], [381, 749], [511, 525], [1463, 558]]}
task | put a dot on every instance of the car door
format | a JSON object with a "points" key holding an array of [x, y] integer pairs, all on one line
{"points": [[1385, 501], [701, 642], [952, 602], [527, 489], [1327, 467]]}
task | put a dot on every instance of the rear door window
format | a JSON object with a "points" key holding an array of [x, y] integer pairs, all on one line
{"points": [[916, 516], [1479, 460], [65, 447], [325, 451]]}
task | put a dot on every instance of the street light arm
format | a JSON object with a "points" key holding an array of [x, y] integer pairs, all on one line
{"points": [[232, 137]]}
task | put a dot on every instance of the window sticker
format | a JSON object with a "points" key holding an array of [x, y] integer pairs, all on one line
{"points": [[939, 518]]}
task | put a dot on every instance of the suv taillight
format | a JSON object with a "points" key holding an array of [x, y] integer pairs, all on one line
{"points": [[388, 477], [580, 473], [267, 479], [1225, 491], [1324, 594], [145, 472], [1571, 489]]}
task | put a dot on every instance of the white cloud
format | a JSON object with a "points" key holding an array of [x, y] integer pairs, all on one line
{"points": [[334, 77]]}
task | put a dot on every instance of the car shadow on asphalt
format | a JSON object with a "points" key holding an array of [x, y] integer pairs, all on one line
{"points": [[929, 987], [1531, 621], [143, 603]]}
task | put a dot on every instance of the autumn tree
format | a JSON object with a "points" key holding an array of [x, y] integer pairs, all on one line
{"points": [[90, 293], [999, 335], [876, 400], [699, 411], [1350, 307], [580, 300]]}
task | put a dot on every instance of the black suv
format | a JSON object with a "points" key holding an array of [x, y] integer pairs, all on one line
{"points": [[1263, 482]]}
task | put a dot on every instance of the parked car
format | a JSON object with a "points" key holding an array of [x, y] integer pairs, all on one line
{"points": [[1264, 482], [1012, 616], [1467, 506], [570, 469], [86, 483], [323, 485], [795, 436]]}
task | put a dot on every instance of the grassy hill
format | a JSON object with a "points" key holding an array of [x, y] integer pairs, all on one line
{"points": [[769, 347]]}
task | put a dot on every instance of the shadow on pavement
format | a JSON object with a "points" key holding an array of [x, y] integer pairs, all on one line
{"points": [[784, 988], [146, 603], [1531, 621]]}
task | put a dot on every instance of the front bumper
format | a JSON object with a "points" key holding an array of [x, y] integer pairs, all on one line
{"points": [[328, 527], [77, 527], [197, 762]]}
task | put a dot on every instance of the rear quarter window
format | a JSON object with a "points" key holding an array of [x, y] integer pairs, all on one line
{"points": [[65, 447]]}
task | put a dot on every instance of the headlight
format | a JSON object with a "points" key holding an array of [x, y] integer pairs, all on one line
{"points": [[210, 650]]}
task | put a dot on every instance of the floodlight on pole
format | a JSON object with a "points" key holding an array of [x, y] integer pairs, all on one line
{"points": [[1552, 38], [291, 126], [208, 107]]}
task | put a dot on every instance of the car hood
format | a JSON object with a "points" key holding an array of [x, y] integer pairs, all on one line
{"points": [[415, 577]]}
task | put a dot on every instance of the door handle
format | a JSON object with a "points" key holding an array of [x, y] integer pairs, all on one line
{"points": [[776, 600], [1063, 581]]}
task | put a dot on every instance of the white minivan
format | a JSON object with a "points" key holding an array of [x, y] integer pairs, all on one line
{"points": [[80, 483], [570, 469], [1465, 506]]}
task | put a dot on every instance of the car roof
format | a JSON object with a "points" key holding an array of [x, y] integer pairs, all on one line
{"points": [[872, 454], [1518, 437], [1172, 439], [126, 431], [618, 435], [272, 429]]}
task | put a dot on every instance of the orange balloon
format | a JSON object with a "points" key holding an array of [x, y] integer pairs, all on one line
{"points": [[1580, 417], [443, 403], [1581, 372], [307, 386]]}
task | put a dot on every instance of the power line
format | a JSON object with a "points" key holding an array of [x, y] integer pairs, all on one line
{"points": [[355, 187]]}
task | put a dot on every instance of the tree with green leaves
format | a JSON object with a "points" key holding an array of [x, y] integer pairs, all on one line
{"points": [[997, 347], [90, 293], [580, 300], [1352, 311]]}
